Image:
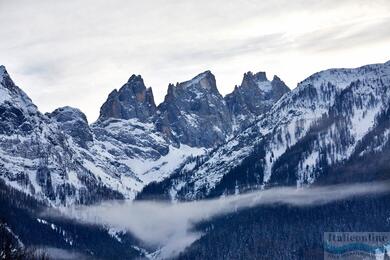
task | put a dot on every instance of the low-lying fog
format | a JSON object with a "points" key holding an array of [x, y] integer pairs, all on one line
{"points": [[169, 226]]}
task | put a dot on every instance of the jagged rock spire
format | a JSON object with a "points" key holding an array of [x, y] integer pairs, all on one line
{"points": [[254, 97], [5, 80], [132, 100], [204, 80], [195, 111], [257, 77]]}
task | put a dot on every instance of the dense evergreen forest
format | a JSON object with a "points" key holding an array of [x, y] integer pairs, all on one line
{"points": [[287, 232]]}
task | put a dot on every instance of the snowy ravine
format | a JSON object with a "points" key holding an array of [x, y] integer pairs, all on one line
{"points": [[323, 122], [62, 159]]}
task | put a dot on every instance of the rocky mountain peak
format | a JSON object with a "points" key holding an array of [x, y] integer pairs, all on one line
{"points": [[17, 112], [136, 78], [258, 81], [132, 100], [250, 77], [276, 78], [136, 85], [2, 71], [67, 113], [254, 97], [195, 112], [279, 88], [204, 81], [13, 95], [5, 80], [74, 123]]}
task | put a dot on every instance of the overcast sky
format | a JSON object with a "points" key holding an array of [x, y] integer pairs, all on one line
{"points": [[75, 52]]}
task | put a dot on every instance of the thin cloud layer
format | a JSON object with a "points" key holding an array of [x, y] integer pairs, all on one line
{"points": [[171, 226]]}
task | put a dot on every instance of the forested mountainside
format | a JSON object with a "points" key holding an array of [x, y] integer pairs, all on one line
{"points": [[287, 232], [25, 226]]}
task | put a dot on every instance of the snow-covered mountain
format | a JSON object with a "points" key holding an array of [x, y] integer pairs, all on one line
{"points": [[44, 155], [61, 158], [196, 143], [330, 118]]}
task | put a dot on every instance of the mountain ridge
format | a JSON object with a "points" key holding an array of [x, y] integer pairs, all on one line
{"points": [[196, 139], [284, 125], [132, 143]]}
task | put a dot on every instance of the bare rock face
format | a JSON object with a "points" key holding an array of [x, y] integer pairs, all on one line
{"points": [[132, 100], [127, 121], [254, 97], [195, 113]]}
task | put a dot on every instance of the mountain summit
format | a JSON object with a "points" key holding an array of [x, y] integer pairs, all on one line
{"points": [[254, 97], [132, 100], [196, 112]]}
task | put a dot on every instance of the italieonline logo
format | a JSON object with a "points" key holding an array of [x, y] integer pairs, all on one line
{"points": [[357, 245]]}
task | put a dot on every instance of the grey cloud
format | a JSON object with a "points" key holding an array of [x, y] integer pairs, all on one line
{"points": [[327, 39], [345, 36], [62, 254], [59, 48], [231, 48]]}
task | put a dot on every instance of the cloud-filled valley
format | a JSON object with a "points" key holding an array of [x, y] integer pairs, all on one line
{"points": [[171, 226]]}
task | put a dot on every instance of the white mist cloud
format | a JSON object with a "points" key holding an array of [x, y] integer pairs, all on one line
{"points": [[170, 225], [61, 254]]}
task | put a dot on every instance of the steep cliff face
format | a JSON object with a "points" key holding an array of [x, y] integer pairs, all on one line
{"points": [[254, 97], [195, 112], [132, 100]]}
